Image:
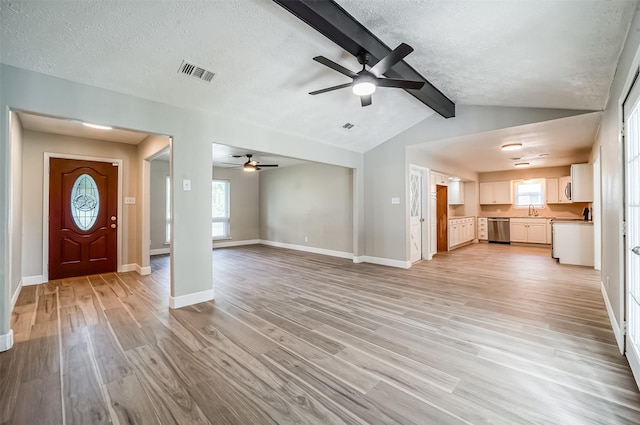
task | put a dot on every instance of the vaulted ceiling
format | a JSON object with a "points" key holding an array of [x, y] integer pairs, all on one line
{"points": [[548, 54]]}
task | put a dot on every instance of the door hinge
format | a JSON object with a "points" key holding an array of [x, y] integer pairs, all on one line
{"points": [[624, 228]]}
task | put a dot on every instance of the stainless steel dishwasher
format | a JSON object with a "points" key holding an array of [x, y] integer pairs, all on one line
{"points": [[498, 229]]}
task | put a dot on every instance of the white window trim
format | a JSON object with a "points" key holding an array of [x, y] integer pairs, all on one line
{"points": [[541, 206]]}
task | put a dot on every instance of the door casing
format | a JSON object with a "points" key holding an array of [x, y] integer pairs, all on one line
{"points": [[45, 206]]}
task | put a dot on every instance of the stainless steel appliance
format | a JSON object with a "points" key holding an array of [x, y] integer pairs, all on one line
{"points": [[498, 229]]}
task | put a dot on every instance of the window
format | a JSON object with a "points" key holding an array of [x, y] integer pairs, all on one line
{"points": [[220, 209], [167, 201], [529, 192]]}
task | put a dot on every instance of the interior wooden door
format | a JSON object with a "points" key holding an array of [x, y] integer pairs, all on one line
{"points": [[83, 208], [442, 211]]}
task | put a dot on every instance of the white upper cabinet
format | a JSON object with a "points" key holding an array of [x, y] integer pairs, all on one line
{"points": [[440, 179], [551, 192], [496, 193], [581, 183], [456, 193]]}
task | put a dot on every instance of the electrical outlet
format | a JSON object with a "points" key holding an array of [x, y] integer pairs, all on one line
{"points": [[129, 200], [395, 201], [186, 184]]}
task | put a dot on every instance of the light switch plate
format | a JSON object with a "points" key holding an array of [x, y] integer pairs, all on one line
{"points": [[395, 201], [129, 200], [186, 184]]}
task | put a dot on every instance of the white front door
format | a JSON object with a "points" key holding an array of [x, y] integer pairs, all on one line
{"points": [[632, 215], [415, 215]]}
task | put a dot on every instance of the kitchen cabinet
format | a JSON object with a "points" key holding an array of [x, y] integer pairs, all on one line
{"points": [[573, 242], [461, 231], [496, 193], [528, 230], [551, 191], [483, 230], [581, 183], [456, 193], [440, 179], [564, 189]]}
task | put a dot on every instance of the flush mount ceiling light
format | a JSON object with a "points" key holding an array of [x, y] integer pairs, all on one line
{"points": [[511, 147], [454, 179], [96, 126], [521, 164]]}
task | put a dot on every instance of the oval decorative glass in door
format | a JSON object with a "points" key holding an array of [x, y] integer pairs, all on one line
{"points": [[85, 202]]}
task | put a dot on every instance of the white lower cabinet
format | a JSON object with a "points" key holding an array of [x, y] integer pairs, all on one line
{"points": [[483, 229], [461, 231], [528, 230]]}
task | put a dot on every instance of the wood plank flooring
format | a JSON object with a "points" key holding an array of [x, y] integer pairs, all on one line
{"points": [[485, 334]]}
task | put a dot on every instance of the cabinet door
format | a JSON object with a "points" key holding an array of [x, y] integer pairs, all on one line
{"points": [[548, 225], [472, 230], [551, 192], [486, 193], [454, 234], [518, 232], [582, 183], [564, 184], [537, 232], [502, 193]]}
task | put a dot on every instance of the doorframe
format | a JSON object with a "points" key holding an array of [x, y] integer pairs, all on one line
{"points": [[424, 232], [45, 205]]}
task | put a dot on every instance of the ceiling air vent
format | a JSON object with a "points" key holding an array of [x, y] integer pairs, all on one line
{"points": [[195, 71], [348, 126]]}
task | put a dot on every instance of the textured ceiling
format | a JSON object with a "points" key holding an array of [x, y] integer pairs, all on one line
{"points": [[558, 54], [77, 129], [546, 144]]}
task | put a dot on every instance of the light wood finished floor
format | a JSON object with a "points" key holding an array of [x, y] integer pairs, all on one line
{"points": [[486, 334]]}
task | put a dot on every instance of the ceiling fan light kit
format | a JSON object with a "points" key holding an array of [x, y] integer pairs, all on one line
{"points": [[521, 164], [511, 147]]}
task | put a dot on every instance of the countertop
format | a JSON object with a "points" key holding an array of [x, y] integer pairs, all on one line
{"points": [[571, 220]]}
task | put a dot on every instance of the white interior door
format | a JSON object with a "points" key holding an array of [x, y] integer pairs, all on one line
{"points": [[632, 216], [415, 214]]}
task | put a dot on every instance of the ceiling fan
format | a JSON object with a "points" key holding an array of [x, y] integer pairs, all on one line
{"points": [[365, 82], [251, 165]]}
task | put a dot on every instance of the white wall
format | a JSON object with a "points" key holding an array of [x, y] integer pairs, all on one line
{"points": [[610, 141], [158, 202], [309, 200], [244, 203], [16, 209]]}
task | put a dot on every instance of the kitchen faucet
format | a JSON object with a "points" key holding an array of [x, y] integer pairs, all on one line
{"points": [[532, 210]]}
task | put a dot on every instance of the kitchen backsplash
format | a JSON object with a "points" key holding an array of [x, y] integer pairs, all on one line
{"points": [[573, 210]]}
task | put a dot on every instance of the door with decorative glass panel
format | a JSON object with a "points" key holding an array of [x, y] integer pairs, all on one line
{"points": [[83, 220], [415, 215], [632, 216]]}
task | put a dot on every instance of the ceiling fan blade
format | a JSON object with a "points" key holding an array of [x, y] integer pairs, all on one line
{"points": [[401, 84], [387, 62], [267, 165], [341, 86], [336, 67], [365, 100], [231, 163]]}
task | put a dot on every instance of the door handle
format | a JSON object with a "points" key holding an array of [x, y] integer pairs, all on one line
{"points": [[113, 218], [636, 250], [421, 220], [113, 225]]}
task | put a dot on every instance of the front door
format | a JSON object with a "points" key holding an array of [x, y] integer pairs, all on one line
{"points": [[415, 215], [83, 207]]}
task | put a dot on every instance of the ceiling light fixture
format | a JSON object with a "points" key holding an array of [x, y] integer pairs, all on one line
{"points": [[364, 85], [521, 164], [511, 147], [97, 126], [249, 168]]}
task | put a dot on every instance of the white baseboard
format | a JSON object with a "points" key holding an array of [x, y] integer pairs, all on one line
{"points": [[160, 251], [358, 260], [304, 248], [16, 294], [6, 341], [385, 262], [634, 362], [128, 268], [227, 244], [190, 299], [143, 271], [617, 331], [32, 280]]}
